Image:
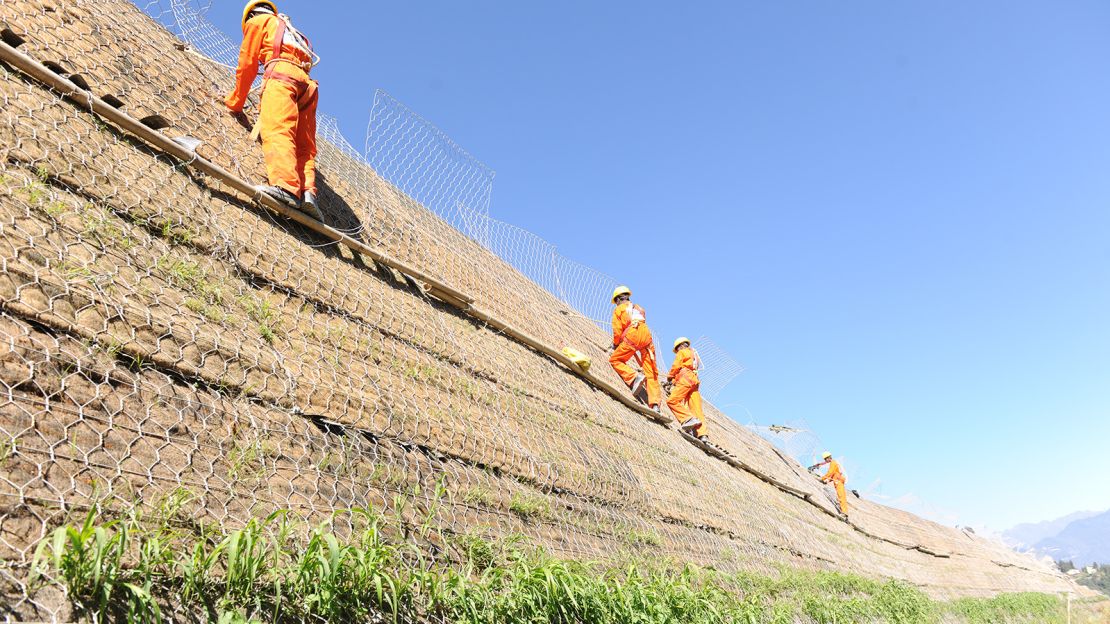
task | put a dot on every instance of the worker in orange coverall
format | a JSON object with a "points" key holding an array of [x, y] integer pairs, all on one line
{"points": [[287, 116], [836, 476], [632, 339], [684, 399]]}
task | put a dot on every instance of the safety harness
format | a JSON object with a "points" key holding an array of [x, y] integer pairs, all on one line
{"points": [[836, 478], [693, 369], [635, 317], [286, 34]]}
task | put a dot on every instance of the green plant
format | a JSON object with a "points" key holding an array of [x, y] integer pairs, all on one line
{"points": [[181, 273], [7, 451], [56, 209], [111, 347], [100, 226], [643, 538], [136, 362], [479, 496], [90, 559], [476, 551], [208, 311], [530, 506], [245, 461], [261, 312], [36, 194], [175, 232], [208, 293], [76, 272], [271, 571], [1029, 607]]}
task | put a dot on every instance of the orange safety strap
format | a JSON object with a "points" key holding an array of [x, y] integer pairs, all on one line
{"points": [[633, 311], [279, 40], [310, 91], [687, 369]]}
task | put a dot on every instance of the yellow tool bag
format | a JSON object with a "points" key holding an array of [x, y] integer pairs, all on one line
{"points": [[581, 360]]}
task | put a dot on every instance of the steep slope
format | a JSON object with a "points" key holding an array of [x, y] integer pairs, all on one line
{"points": [[164, 335]]}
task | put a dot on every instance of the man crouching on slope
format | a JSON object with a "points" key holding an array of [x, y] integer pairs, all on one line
{"points": [[287, 115], [632, 339]]}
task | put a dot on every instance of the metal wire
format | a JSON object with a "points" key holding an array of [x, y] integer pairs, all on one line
{"points": [[159, 333]]}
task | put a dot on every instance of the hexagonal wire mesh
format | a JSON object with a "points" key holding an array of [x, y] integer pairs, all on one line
{"points": [[168, 344]]}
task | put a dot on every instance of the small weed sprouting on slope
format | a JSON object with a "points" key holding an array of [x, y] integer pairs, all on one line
{"points": [[530, 506], [131, 570]]}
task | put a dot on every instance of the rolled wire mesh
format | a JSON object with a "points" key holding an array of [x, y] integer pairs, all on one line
{"points": [[161, 334], [794, 437], [718, 367], [424, 163]]}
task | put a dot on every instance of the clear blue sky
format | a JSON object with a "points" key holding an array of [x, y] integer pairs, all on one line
{"points": [[896, 215]]}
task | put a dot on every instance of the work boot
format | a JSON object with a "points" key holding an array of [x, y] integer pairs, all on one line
{"points": [[310, 208], [690, 426], [281, 195], [637, 383]]}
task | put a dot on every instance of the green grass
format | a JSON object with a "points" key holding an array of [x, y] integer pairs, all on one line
{"points": [[261, 312], [246, 461], [530, 506], [643, 538], [190, 276], [1019, 607], [174, 232], [99, 225], [479, 496], [271, 570], [8, 450]]}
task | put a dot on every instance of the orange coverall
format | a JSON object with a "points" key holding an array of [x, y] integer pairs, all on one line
{"points": [[632, 338], [287, 119], [685, 400], [835, 475]]}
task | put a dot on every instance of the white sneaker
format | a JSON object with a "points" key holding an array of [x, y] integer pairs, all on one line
{"points": [[690, 426], [637, 383]]}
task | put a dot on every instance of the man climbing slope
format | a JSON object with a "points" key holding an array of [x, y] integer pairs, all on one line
{"points": [[632, 339], [837, 478], [684, 398], [287, 116]]}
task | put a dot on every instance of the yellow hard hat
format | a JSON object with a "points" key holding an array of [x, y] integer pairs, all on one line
{"points": [[678, 341], [826, 455], [254, 4], [621, 290]]}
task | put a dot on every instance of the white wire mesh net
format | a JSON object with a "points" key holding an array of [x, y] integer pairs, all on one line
{"points": [[424, 163], [162, 335]]}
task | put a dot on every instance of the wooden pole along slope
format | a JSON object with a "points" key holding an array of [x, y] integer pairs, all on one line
{"points": [[71, 91], [84, 97]]}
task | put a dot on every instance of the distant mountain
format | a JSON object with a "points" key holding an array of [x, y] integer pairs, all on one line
{"points": [[1024, 536], [1083, 541]]}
